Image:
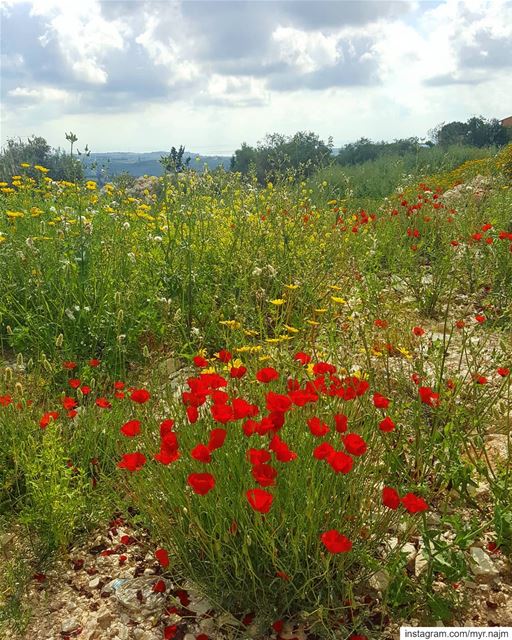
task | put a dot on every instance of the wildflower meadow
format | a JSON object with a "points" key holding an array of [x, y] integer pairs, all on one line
{"points": [[296, 395]]}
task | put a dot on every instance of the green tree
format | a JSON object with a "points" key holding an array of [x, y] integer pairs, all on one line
{"points": [[174, 162], [36, 151]]}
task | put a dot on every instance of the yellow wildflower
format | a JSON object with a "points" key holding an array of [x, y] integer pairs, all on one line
{"points": [[41, 169], [291, 329], [277, 302], [338, 300]]}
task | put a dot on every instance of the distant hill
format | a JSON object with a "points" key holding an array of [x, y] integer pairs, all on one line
{"points": [[103, 166]]}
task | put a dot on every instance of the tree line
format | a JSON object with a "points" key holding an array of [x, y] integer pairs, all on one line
{"points": [[300, 154]]}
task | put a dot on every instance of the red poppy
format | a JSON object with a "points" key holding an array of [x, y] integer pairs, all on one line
{"points": [[47, 418], [192, 414], [258, 456], [119, 385], [480, 379], [202, 453], [335, 542], [103, 403], [159, 587], [243, 409], [380, 401], [94, 362], [277, 402], [302, 357], [414, 504], [140, 396], [340, 462], [460, 324], [428, 396], [132, 461], [322, 368], [381, 324], [163, 557], [418, 331], [503, 371], [386, 425], [221, 413], [131, 428], [260, 500], [341, 422], [390, 498], [85, 389], [69, 364], [217, 437], [199, 361], [354, 444], [480, 318], [264, 474], [74, 383], [201, 483], [237, 372], [278, 626], [267, 374], [69, 403], [225, 356], [317, 427], [5, 401], [281, 450], [323, 451]]}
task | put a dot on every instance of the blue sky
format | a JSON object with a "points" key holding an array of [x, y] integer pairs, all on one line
{"points": [[137, 75]]}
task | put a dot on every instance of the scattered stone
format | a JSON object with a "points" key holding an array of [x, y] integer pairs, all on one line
{"points": [[481, 565], [379, 581], [69, 625]]}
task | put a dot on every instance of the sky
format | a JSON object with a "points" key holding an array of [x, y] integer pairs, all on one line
{"points": [[144, 75]]}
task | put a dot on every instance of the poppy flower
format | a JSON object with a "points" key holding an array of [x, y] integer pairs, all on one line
{"points": [[69, 364], [302, 357], [132, 461], [202, 453], [201, 483], [192, 414], [85, 389], [237, 372], [323, 451], [267, 374], [200, 362], [283, 575], [217, 437], [159, 587], [481, 379], [386, 425], [94, 362], [74, 383], [221, 413], [243, 409], [341, 422], [503, 371], [264, 474], [460, 324], [163, 558], [103, 403], [354, 444], [258, 456], [140, 396], [47, 418], [418, 331], [69, 403], [119, 386], [278, 626], [480, 318], [281, 450], [380, 401], [170, 631], [390, 498], [224, 355], [260, 500], [322, 368], [335, 542], [131, 428], [428, 396], [381, 324], [277, 402], [414, 504], [317, 427], [5, 401], [340, 462]]}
